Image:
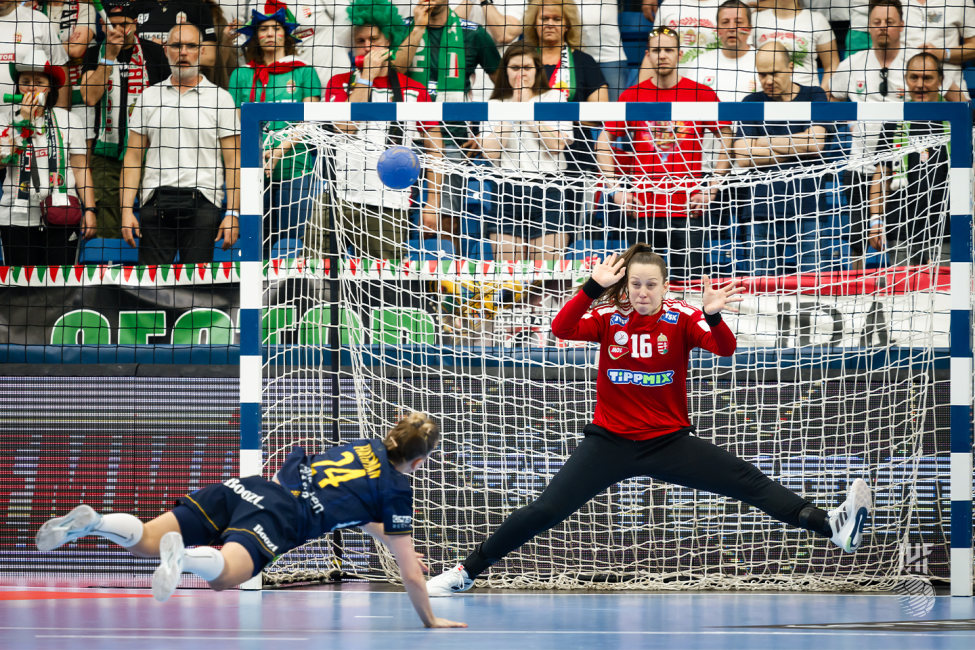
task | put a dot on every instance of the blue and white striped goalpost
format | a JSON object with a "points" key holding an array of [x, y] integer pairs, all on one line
{"points": [[959, 115]]}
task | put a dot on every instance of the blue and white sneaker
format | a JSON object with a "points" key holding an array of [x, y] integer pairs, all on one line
{"points": [[166, 577], [449, 583], [59, 531], [848, 520]]}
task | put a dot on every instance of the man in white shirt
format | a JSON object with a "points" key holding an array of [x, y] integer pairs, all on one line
{"points": [[874, 75], [877, 74], [946, 29], [179, 127], [697, 23], [729, 70], [23, 30]]}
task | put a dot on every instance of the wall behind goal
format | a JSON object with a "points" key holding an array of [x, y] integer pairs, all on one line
{"points": [[135, 444]]}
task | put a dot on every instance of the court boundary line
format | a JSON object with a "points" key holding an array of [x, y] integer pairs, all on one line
{"points": [[762, 631], [958, 633]]}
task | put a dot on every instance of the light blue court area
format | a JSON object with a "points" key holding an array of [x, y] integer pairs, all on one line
{"points": [[363, 617]]}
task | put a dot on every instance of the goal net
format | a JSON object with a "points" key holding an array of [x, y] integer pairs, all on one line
{"points": [[439, 298]]}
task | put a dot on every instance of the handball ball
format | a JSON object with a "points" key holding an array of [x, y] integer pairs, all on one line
{"points": [[398, 168]]}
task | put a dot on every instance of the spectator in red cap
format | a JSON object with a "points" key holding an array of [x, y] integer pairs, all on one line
{"points": [[23, 30], [43, 150]]}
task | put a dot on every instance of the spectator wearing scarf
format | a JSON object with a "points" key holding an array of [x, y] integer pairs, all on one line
{"points": [[909, 195], [74, 22], [441, 53], [115, 72], [44, 151], [375, 219], [555, 28], [275, 74]]}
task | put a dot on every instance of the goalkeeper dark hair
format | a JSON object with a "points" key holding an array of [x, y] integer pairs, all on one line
{"points": [[414, 436], [635, 254], [381, 14]]}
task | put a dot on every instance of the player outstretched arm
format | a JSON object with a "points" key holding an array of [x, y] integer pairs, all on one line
{"points": [[411, 568]]}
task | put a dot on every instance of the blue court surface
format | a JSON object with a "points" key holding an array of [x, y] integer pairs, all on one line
{"points": [[363, 616]]}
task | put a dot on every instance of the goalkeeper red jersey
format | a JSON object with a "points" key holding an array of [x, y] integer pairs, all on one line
{"points": [[641, 390]]}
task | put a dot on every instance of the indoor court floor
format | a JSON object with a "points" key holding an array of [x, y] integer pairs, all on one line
{"points": [[362, 617]]}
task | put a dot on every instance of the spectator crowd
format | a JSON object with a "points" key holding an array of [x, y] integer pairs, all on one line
{"points": [[125, 125]]}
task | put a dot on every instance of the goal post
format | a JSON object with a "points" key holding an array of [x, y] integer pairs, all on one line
{"points": [[492, 462]]}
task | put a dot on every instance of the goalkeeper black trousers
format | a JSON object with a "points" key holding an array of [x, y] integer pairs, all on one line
{"points": [[604, 459]]}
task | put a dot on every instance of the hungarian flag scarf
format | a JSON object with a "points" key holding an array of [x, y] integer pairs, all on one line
{"points": [[20, 142], [451, 63], [563, 77], [262, 73], [127, 80]]}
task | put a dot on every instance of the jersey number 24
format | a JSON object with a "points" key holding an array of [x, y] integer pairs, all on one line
{"points": [[336, 472]]}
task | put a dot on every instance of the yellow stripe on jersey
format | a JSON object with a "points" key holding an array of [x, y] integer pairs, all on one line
{"points": [[215, 527]]}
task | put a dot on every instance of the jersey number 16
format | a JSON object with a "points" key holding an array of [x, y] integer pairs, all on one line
{"points": [[642, 346]]}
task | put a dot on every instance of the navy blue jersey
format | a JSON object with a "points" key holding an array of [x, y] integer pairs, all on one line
{"points": [[347, 486]]}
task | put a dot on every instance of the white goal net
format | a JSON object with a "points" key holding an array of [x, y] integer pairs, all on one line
{"points": [[439, 298]]}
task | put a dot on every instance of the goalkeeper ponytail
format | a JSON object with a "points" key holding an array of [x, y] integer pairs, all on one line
{"points": [[635, 254], [415, 436]]}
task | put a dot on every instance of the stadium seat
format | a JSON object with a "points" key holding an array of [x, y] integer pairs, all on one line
{"points": [[474, 198], [478, 249], [969, 76], [429, 249], [229, 255], [583, 248], [108, 251], [875, 259], [284, 249], [472, 243]]}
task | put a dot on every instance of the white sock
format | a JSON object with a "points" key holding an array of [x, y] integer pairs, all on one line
{"points": [[121, 528], [205, 561]]}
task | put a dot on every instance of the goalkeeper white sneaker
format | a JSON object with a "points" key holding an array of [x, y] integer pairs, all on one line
{"points": [[166, 577], [449, 583], [848, 520], [59, 531]]}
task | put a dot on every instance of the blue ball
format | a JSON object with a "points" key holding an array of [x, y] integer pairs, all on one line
{"points": [[398, 168]]}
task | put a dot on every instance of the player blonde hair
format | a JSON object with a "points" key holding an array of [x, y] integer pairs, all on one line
{"points": [[570, 16], [635, 254], [414, 436]]}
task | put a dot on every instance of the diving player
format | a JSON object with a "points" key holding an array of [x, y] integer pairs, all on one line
{"points": [[362, 484]]}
